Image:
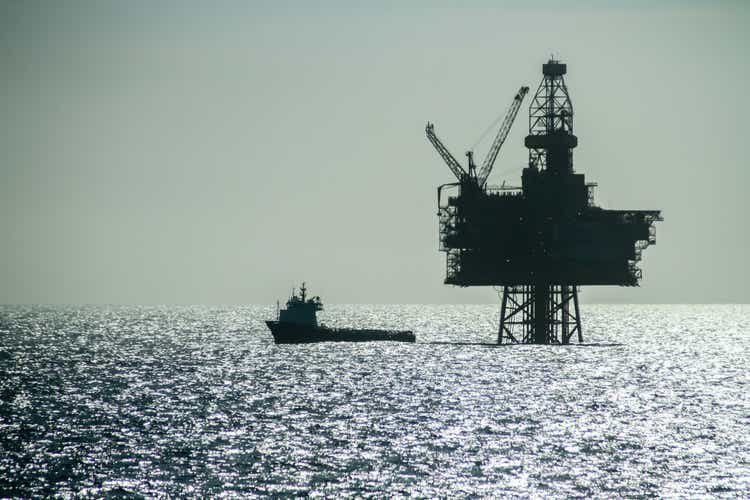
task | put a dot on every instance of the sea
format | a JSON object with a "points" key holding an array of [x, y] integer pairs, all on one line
{"points": [[195, 401]]}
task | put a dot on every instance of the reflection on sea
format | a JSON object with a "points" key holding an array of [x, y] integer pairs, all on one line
{"points": [[198, 401]]}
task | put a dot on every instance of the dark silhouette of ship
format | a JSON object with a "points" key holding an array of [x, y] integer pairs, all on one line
{"points": [[298, 324]]}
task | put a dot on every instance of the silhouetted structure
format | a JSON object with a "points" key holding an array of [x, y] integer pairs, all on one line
{"points": [[542, 240], [298, 324]]}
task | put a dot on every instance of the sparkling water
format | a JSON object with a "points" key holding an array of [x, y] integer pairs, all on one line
{"points": [[198, 401]]}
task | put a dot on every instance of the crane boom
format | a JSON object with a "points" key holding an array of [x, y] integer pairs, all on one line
{"points": [[510, 116], [448, 158]]}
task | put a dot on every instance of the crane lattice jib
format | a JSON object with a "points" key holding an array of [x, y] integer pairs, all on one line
{"points": [[510, 117], [448, 158]]}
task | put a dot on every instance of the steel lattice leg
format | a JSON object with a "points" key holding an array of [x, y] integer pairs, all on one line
{"points": [[539, 314]]}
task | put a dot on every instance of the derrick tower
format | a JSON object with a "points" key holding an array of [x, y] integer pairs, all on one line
{"points": [[542, 240]]}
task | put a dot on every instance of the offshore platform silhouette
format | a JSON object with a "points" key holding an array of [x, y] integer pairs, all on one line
{"points": [[542, 240]]}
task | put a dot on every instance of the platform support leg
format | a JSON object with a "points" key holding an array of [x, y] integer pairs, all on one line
{"points": [[503, 304], [565, 313], [539, 314], [578, 315]]}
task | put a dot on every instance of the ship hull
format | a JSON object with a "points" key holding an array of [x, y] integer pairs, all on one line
{"points": [[291, 333]]}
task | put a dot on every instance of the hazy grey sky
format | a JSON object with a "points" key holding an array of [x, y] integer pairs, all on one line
{"points": [[220, 152]]}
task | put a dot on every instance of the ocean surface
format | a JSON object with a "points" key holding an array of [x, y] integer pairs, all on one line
{"points": [[197, 401]]}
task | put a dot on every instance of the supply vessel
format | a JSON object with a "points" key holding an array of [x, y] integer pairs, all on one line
{"points": [[298, 324]]}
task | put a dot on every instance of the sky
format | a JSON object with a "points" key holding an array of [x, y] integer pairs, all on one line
{"points": [[183, 152]]}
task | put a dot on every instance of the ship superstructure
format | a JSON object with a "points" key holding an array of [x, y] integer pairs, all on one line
{"points": [[300, 310]]}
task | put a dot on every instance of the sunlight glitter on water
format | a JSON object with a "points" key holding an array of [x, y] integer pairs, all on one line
{"points": [[195, 401]]}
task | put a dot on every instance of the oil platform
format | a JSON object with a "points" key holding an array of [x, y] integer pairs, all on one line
{"points": [[539, 241]]}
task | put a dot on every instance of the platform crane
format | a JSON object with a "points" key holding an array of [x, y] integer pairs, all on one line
{"points": [[478, 179]]}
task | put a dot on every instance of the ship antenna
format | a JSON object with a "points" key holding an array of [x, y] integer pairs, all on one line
{"points": [[303, 290]]}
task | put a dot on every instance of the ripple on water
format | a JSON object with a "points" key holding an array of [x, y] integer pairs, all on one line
{"points": [[196, 401]]}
